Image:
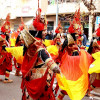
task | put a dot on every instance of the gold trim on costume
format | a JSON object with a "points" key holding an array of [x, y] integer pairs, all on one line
{"points": [[39, 49], [7, 72], [95, 44], [70, 39], [50, 63], [7, 77]]}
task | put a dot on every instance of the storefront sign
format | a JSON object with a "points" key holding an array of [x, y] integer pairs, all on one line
{"points": [[98, 20]]}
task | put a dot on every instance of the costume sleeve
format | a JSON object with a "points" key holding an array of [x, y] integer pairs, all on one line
{"points": [[44, 55], [47, 59]]}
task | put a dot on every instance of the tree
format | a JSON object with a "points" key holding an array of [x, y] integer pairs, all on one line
{"points": [[91, 7]]}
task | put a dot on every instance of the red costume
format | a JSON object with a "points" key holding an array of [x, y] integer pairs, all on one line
{"points": [[5, 29], [36, 65], [94, 77], [5, 61]]}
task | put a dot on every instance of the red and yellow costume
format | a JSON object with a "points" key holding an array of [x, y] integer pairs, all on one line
{"points": [[5, 61], [74, 70], [94, 69], [36, 64], [77, 28], [16, 43], [5, 29], [35, 69]]}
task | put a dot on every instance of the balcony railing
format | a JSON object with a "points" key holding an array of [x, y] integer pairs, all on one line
{"points": [[50, 2]]}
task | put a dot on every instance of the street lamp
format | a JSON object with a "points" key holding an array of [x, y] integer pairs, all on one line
{"points": [[57, 15], [91, 17]]}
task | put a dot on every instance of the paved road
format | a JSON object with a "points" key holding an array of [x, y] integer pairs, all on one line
{"points": [[12, 91]]}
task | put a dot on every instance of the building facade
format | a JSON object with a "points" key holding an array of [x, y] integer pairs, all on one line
{"points": [[17, 9], [27, 9], [66, 10]]}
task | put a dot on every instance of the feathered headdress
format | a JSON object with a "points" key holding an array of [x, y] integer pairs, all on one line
{"points": [[75, 25], [21, 27], [59, 28], [39, 22], [6, 26]]}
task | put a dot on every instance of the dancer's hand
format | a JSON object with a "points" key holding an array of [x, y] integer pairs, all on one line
{"points": [[56, 69]]}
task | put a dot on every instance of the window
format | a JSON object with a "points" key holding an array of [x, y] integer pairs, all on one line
{"points": [[16, 27], [65, 25], [50, 26]]}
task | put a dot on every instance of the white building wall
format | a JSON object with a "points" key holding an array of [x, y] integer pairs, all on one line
{"points": [[66, 8]]}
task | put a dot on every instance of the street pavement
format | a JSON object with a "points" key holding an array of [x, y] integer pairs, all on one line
{"points": [[12, 91]]}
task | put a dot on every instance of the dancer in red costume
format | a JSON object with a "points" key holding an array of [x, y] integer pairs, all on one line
{"points": [[71, 61], [73, 50], [96, 34], [5, 29], [95, 47], [5, 61], [94, 77], [19, 42], [69, 54], [36, 64], [57, 39]]}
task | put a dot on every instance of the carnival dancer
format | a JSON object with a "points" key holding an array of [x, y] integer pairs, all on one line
{"points": [[19, 42], [5, 29], [94, 70], [36, 64], [57, 43], [77, 28], [5, 61], [73, 51], [96, 34], [69, 54], [74, 70], [53, 46], [58, 31]]}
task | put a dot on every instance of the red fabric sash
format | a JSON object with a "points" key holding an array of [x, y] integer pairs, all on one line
{"points": [[2, 59], [37, 86], [96, 83], [28, 65], [49, 95], [5, 65], [34, 87]]}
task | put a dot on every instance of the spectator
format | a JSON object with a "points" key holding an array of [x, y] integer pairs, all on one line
{"points": [[49, 35], [65, 32], [84, 40]]}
